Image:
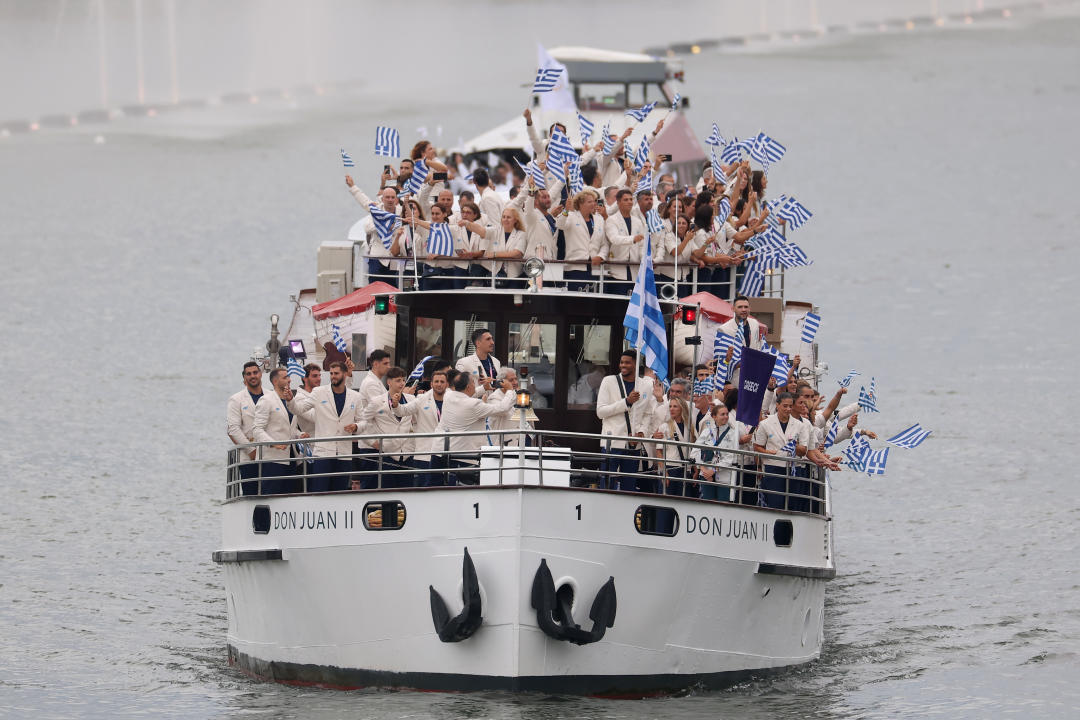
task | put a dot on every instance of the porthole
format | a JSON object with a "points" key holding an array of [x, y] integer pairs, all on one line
{"points": [[656, 520], [260, 519], [782, 533], [384, 515]]}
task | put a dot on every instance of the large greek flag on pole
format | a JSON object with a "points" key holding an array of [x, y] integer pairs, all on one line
{"points": [[387, 142], [910, 438], [644, 321]]}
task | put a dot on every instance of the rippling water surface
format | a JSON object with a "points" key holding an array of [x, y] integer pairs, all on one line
{"points": [[139, 272]]}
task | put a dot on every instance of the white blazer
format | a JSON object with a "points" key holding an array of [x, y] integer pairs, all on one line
{"points": [[272, 424], [240, 417], [773, 437], [731, 327], [302, 423], [472, 365], [498, 242], [580, 243], [621, 245], [462, 413], [425, 417], [378, 417], [490, 204], [319, 407], [612, 409]]}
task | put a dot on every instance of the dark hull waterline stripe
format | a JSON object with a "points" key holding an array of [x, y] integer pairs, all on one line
{"points": [[231, 556], [816, 573], [611, 686]]}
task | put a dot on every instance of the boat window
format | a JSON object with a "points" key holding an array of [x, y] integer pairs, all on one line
{"points": [[429, 339], [656, 520], [602, 96], [782, 533], [385, 515], [532, 348], [590, 361], [260, 519], [463, 329]]}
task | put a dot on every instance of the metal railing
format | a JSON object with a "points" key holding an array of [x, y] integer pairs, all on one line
{"points": [[537, 457]]}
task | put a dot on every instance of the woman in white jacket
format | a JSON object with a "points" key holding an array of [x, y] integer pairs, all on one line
{"points": [[585, 240], [505, 244], [716, 462], [677, 459]]}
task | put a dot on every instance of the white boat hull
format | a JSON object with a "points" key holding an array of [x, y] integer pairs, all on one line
{"points": [[349, 607]]}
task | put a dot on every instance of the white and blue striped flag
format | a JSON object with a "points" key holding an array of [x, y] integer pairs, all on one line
{"points": [[781, 369], [723, 210], [418, 371], [642, 155], [753, 282], [653, 222], [560, 151], [586, 126], [609, 139], [715, 138], [644, 184], [830, 436], [718, 173], [675, 101], [911, 438], [846, 380], [440, 240], [867, 401], [874, 461], [722, 342], [644, 321], [789, 447], [531, 169], [810, 326], [704, 387], [766, 150], [791, 255], [346, 159], [387, 142], [295, 369], [794, 213], [339, 342], [574, 180], [856, 452], [641, 113], [546, 79], [385, 224], [416, 181], [732, 152]]}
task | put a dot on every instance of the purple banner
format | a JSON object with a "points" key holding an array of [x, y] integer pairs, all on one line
{"points": [[754, 376]]}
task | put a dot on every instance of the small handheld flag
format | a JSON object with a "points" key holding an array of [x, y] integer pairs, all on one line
{"points": [[911, 438], [440, 241], [766, 150], [781, 370], [715, 138], [418, 371], [642, 155], [546, 78], [830, 437], [339, 342], [385, 224], [416, 180], [675, 102], [794, 213], [387, 142], [609, 141], [867, 401], [789, 447], [732, 152], [295, 369], [846, 380], [644, 184], [641, 113], [875, 461], [653, 221], [856, 452], [810, 327], [346, 159], [586, 126]]}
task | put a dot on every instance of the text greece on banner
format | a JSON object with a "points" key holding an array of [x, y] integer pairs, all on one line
{"points": [[753, 381]]}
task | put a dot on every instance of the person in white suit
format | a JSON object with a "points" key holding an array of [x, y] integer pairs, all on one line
{"points": [[481, 364], [335, 411], [626, 237], [276, 423], [747, 331], [312, 380], [380, 416], [463, 412], [240, 421], [625, 406], [425, 410]]}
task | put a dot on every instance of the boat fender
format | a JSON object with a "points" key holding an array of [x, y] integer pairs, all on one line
{"points": [[468, 620], [554, 616]]}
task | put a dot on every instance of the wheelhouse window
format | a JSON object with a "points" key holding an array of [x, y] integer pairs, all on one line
{"points": [[532, 347], [463, 330], [590, 361], [429, 339]]}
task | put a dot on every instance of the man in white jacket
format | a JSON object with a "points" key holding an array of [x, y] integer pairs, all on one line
{"points": [[747, 331], [625, 406], [380, 416], [335, 411], [463, 412], [481, 364], [425, 410], [240, 421], [276, 423]]}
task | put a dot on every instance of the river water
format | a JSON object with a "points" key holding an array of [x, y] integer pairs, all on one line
{"points": [[140, 270]]}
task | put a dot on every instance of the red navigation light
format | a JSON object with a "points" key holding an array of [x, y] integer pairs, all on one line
{"points": [[689, 316]]}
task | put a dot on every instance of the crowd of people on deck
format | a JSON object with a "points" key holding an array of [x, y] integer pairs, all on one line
{"points": [[498, 215], [712, 456]]}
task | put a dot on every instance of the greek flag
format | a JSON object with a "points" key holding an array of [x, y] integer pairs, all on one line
{"points": [[295, 369], [346, 159], [872, 392], [718, 172], [855, 454], [724, 341], [609, 141], [560, 151], [574, 181], [531, 169], [810, 326], [911, 438], [644, 184], [724, 209], [791, 255], [789, 447], [753, 282], [642, 155], [846, 380], [385, 224], [732, 152], [766, 150], [772, 218], [781, 369], [440, 241], [416, 180], [387, 142], [875, 461], [418, 371], [644, 321], [704, 387], [641, 113], [339, 342], [675, 102], [653, 221], [830, 437], [867, 401], [715, 138], [546, 78], [586, 128], [795, 213]]}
